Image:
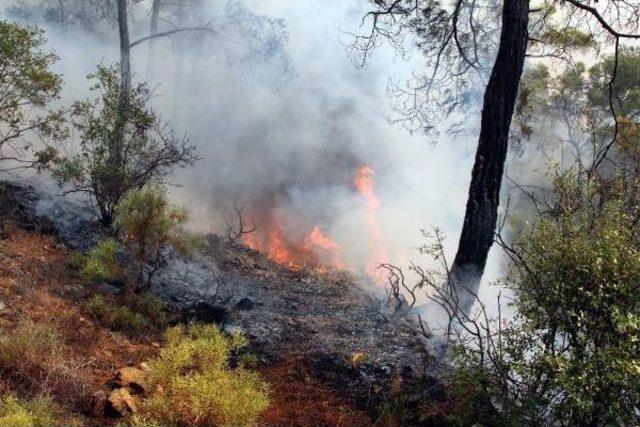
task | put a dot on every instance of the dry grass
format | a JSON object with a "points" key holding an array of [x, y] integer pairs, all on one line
{"points": [[48, 344], [299, 400], [33, 360]]}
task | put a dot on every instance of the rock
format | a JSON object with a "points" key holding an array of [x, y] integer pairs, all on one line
{"points": [[3, 307], [120, 403], [245, 304], [133, 378]]}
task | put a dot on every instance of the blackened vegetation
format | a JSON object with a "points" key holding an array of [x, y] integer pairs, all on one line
{"points": [[345, 337], [18, 208]]}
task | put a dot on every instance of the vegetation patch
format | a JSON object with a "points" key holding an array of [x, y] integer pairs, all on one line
{"points": [[40, 411], [116, 316], [195, 386], [34, 361]]}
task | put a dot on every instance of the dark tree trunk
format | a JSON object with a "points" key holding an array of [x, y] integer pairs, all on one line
{"points": [[484, 193]]}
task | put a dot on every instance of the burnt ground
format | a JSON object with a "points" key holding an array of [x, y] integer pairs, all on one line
{"points": [[321, 331]]}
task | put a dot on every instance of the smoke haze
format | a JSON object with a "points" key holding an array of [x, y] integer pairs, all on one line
{"points": [[283, 121]]}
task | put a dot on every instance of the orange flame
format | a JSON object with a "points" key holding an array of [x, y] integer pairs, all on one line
{"points": [[315, 250], [365, 184], [326, 248]]}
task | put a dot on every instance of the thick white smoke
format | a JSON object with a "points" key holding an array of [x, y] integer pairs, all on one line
{"points": [[291, 119]]}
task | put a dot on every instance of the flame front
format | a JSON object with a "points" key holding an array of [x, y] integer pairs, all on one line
{"points": [[326, 248], [316, 249], [365, 184]]}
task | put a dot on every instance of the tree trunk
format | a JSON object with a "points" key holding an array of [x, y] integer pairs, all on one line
{"points": [[125, 48], [153, 30], [111, 185], [484, 193]]}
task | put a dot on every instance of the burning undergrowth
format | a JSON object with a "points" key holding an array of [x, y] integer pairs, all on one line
{"points": [[288, 237]]}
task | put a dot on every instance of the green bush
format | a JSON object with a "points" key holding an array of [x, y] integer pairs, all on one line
{"points": [[115, 316], [150, 306], [29, 87], [194, 385], [150, 226], [123, 145], [76, 260], [41, 411], [101, 263], [571, 355]]}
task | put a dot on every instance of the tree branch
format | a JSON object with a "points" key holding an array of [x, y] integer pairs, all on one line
{"points": [[169, 33]]}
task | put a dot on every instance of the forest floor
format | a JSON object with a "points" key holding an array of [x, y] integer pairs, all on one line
{"points": [[38, 288], [330, 355]]}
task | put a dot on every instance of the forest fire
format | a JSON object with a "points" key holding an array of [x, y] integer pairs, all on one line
{"points": [[365, 184], [315, 249], [287, 240]]}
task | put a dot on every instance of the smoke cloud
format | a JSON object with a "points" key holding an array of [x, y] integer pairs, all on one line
{"points": [[284, 121]]}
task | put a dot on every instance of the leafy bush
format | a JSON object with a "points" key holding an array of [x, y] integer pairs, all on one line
{"points": [[151, 227], [28, 86], [41, 411], [101, 263], [76, 260], [150, 306], [116, 316], [571, 355], [122, 147], [194, 385]]}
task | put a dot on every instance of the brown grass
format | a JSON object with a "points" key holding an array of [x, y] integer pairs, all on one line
{"points": [[302, 401], [53, 346]]}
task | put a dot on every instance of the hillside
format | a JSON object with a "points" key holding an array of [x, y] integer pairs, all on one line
{"points": [[331, 353]]}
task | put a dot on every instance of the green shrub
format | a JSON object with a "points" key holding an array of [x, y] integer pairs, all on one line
{"points": [[195, 385], [122, 146], [116, 316], [101, 263], [150, 226], [29, 87], [570, 355], [77, 260], [150, 306], [41, 411]]}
